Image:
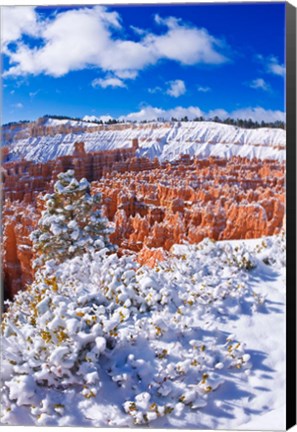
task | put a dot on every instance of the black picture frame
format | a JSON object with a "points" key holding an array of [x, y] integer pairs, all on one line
{"points": [[291, 214]]}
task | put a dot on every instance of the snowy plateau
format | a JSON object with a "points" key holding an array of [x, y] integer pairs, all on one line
{"points": [[163, 140]]}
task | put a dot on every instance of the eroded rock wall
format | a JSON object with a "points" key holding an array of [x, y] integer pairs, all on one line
{"points": [[19, 220], [23, 180], [220, 199], [154, 206]]}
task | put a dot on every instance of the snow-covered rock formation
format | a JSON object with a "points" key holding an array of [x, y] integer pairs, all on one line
{"points": [[53, 138]]}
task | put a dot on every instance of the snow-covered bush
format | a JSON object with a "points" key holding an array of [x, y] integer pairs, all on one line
{"points": [[272, 250], [71, 223], [98, 340]]}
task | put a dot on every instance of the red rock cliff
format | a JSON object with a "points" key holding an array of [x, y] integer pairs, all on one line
{"points": [[152, 206]]}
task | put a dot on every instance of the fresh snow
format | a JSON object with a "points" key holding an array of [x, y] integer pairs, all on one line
{"points": [[196, 342], [163, 140]]}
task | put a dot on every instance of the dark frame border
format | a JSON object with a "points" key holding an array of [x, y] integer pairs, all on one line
{"points": [[291, 215]]}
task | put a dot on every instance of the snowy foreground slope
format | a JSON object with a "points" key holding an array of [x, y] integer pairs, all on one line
{"points": [[163, 140], [197, 342]]}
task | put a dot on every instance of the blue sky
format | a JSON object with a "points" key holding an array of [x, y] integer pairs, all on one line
{"points": [[141, 62]]}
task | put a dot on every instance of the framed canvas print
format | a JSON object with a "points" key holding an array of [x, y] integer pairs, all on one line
{"points": [[149, 215]]}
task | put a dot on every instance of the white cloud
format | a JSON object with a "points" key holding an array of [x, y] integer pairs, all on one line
{"points": [[219, 112], [153, 113], [272, 65], [90, 118], [146, 113], [18, 105], [16, 21], [170, 22], [258, 114], [103, 118], [188, 45], [276, 68], [259, 83], [203, 89], [190, 112], [126, 74], [138, 30], [33, 94], [255, 113], [154, 90], [176, 88], [85, 37], [108, 82], [68, 43]]}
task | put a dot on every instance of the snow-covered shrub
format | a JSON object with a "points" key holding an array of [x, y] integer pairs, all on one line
{"points": [[273, 250], [98, 340], [71, 223], [98, 324], [240, 256]]}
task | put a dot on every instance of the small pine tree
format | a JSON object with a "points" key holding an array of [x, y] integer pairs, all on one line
{"points": [[72, 222]]}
